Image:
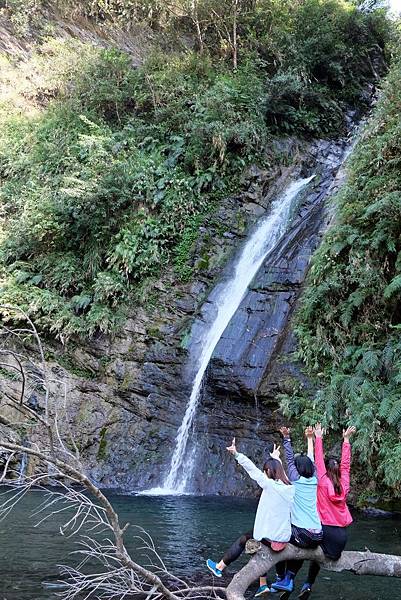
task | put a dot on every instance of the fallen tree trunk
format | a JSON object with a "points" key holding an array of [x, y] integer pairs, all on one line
{"points": [[360, 563]]}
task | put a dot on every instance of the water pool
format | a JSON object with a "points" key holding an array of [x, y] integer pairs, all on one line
{"points": [[186, 531]]}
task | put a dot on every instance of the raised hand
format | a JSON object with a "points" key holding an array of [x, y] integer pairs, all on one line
{"points": [[285, 432], [276, 452], [232, 449], [318, 430], [348, 432], [309, 432]]}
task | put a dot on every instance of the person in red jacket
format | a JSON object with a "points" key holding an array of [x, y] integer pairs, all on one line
{"points": [[332, 490]]}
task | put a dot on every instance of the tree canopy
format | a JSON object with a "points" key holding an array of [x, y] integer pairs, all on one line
{"points": [[108, 179]]}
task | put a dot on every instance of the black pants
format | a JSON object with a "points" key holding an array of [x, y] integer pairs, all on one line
{"points": [[302, 538], [333, 543], [237, 548]]}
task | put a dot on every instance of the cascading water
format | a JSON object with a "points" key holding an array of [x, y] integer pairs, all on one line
{"points": [[23, 468], [267, 234]]}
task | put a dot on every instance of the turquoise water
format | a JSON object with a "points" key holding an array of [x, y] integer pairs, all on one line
{"points": [[186, 531]]}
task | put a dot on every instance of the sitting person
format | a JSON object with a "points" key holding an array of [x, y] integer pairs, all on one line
{"points": [[272, 522], [332, 490], [305, 523]]}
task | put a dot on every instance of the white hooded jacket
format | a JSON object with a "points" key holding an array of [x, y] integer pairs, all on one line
{"points": [[273, 515]]}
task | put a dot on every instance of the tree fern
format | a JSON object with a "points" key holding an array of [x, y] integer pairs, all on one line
{"points": [[393, 288], [352, 305]]}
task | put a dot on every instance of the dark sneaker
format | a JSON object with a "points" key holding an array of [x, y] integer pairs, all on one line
{"points": [[284, 585], [305, 591]]}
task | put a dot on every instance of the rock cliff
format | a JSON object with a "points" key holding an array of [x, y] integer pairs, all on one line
{"points": [[127, 395]]}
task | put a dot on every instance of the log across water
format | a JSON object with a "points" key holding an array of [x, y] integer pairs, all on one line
{"points": [[359, 563]]}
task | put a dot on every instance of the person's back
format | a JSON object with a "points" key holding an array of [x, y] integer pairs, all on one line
{"points": [[302, 474], [304, 512], [331, 502], [273, 515]]}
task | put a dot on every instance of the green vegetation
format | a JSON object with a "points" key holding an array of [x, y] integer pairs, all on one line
{"points": [[349, 323], [102, 451], [105, 182]]}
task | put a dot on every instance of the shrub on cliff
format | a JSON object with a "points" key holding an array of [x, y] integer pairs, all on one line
{"points": [[349, 322], [100, 184]]}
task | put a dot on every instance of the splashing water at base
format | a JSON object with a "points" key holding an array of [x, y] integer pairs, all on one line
{"points": [[262, 241]]}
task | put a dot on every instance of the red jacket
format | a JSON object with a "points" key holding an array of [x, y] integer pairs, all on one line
{"points": [[332, 507]]}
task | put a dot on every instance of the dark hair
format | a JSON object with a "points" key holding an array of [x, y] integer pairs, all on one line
{"points": [[269, 449], [274, 470], [304, 466], [333, 473]]}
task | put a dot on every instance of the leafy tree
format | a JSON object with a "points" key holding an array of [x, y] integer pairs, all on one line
{"points": [[350, 318], [101, 184]]}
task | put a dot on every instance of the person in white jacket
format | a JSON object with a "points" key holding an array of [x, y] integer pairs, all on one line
{"points": [[273, 516]]}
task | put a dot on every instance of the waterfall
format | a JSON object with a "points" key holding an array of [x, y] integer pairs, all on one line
{"points": [[23, 467], [265, 237]]}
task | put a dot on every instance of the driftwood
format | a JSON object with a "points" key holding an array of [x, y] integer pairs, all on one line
{"points": [[360, 563]]}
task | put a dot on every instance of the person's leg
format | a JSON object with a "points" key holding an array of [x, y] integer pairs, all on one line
{"points": [[294, 566], [263, 587], [232, 554], [234, 551], [306, 589], [280, 573], [333, 543], [281, 568], [302, 538], [313, 572], [305, 539]]}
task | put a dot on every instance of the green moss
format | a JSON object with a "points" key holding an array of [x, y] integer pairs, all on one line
{"points": [[10, 374], [71, 366], [104, 362], [203, 263], [102, 451], [241, 223], [184, 249], [126, 382], [154, 332], [185, 339]]}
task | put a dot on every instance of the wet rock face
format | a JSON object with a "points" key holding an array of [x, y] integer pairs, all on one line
{"points": [[254, 339], [127, 395], [253, 361]]}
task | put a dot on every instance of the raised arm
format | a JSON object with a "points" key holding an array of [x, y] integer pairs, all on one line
{"points": [[256, 474], [309, 436], [345, 467], [319, 453], [252, 470], [293, 473]]}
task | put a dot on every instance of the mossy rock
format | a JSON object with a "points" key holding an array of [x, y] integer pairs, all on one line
{"points": [[102, 451]]}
